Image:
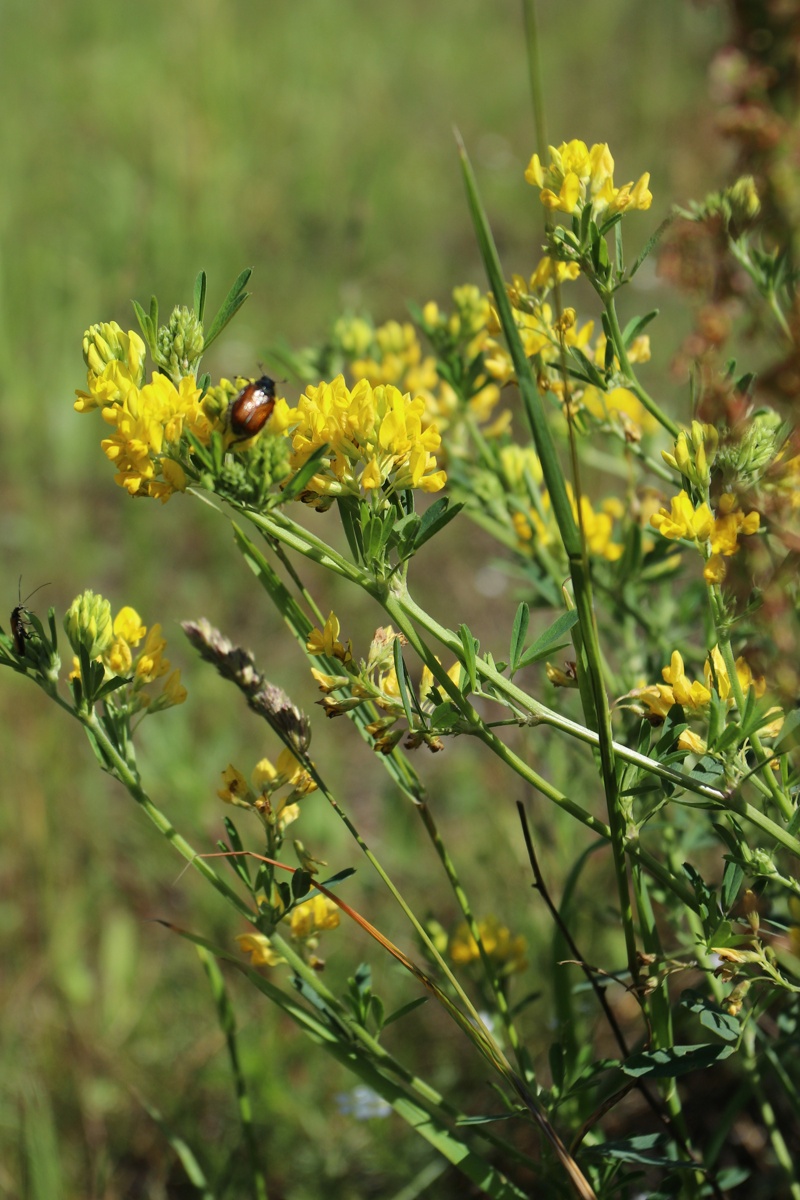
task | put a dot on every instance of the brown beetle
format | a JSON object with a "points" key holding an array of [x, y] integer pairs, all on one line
{"points": [[249, 412]]}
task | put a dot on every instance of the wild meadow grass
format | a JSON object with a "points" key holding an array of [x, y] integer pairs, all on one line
{"points": [[656, 833]]}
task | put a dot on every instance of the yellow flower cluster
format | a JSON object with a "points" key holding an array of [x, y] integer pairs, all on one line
{"points": [[500, 946], [577, 176], [619, 404], [694, 695], [393, 354], [717, 537], [306, 921], [539, 527], [375, 437], [148, 420], [543, 337], [115, 642], [266, 781]]}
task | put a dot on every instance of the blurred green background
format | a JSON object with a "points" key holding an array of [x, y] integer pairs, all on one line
{"points": [[314, 142]]}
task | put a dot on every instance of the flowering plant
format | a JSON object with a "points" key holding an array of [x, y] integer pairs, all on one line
{"points": [[689, 781]]}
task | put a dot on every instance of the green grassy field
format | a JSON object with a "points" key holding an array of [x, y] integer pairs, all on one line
{"points": [[313, 142]]}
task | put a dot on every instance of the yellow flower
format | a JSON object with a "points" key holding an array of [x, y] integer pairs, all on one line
{"points": [[260, 950], [717, 676], [731, 523], [577, 176], [687, 693], [690, 741], [498, 944], [115, 362], [312, 916], [658, 698], [151, 662], [235, 790], [618, 404], [128, 625], [548, 271], [148, 423], [559, 678], [715, 570], [683, 520], [173, 692], [326, 641], [375, 436], [597, 530]]}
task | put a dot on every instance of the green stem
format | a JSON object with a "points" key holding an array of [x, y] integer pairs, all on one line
{"points": [[130, 780], [782, 801], [227, 1023], [625, 364], [402, 603], [591, 646], [494, 982], [535, 73], [779, 1147]]}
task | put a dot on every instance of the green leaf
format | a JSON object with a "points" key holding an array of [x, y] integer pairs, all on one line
{"points": [[549, 641], [298, 482], [529, 393], [240, 862], [650, 1149], [377, 1011], [301, 883], [707, 770], [712, 1017], [191, 1166], [677, 1060], [636, 326], [404, 1010], [230, 306], [650, 245], [732, 878], [470, 648], [339, 877], [589, 371], [144, 321], [518, 633], [351, 524], [200, 295], [788, 738], [440, 513], [112, 685], [403, 681]]}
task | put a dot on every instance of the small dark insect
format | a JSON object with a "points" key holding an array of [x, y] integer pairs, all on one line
{"points": [[19, 619], [249, 412]]}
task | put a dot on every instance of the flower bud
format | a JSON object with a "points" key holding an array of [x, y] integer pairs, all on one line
{"points": [[180, 343], [87, 623], [743, 199]]}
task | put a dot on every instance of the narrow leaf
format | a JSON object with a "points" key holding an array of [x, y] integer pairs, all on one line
{"points": [[677, 1060], [545, 446], [230, 306], [469, 646], [404, 1010], [439, 514], [200, 295], [298, 482], [650, 245], [548, 641], [402, 680], [518, 633], [636, 326]]}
